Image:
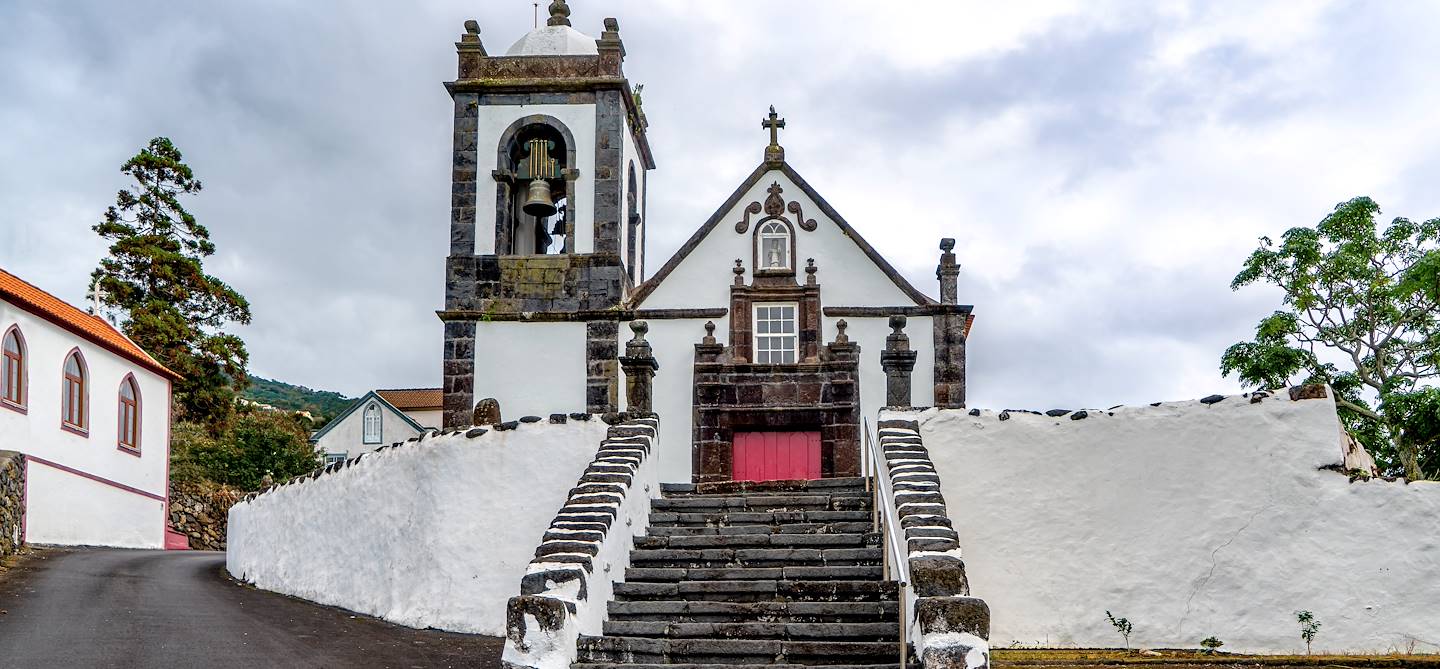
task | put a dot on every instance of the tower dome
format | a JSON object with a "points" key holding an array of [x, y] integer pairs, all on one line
{"points": [[556, 38]]}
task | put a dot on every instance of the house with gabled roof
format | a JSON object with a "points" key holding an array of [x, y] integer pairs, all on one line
{"points": [[89, 412], [369, 423]]}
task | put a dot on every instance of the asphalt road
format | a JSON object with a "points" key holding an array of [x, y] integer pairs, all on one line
{"points": [[122, 608]]}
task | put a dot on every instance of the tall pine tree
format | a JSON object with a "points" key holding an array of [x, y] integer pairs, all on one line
{"points": [[155, 277]]}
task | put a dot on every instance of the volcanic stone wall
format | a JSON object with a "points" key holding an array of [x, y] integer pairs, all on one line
{"points": [[12, 502]]}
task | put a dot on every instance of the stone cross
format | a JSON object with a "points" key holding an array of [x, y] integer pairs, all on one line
{"points": [[774, 153]]}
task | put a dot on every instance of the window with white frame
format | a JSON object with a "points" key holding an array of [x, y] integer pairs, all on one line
{"points": [[776, 341], [774, 246], [334, 458], [372, 423]]}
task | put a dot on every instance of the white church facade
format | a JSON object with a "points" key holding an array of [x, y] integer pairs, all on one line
{"points": [[771, 319], [90, 412]]}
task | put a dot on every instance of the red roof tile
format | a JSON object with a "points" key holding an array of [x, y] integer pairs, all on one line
{"points": [[409, 399], [28, 297]]}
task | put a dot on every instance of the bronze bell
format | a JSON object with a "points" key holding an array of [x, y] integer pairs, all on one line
{"points": [[537, 201]]}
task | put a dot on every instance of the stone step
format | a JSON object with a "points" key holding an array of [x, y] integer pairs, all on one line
{"points": [[759, 591], [748, 487], [786, 528], [631, 665], [672, 574], [742, 518], [782, 612], [754, 540], [734, 651], [889, 631], [754, 557], [760, 503]]}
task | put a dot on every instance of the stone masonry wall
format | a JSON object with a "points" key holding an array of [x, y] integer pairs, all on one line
{"points": [[200, 511], [12, 502]]}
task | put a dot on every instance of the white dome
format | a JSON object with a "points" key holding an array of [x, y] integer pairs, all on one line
{"points": [[554, 41]]}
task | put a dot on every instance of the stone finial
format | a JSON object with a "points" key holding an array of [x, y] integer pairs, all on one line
{"points": [[840, 336], [810, 270], [948, 272], [709, 333], [739, 271], [639, 328], [471, 39], [898, 361], [559, 14], [897, 323], [612, 26]]}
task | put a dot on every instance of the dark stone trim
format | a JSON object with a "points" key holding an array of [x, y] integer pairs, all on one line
{"points": [[458, 389], [645, 289], [886, 312], [602, 366], [609, 172], [537, 98], [585, 316], [463, 170]]}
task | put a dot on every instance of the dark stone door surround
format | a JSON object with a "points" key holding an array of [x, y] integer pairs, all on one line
{"points": [[820, 392]]}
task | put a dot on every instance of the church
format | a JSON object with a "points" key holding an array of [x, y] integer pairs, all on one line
{"points": [[759, 450], [768, 325]]}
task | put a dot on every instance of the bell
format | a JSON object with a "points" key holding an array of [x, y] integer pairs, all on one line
{"points": [[538, 202]]}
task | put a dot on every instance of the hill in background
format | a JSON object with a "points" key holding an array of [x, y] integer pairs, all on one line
{"points": [[323, 404]]}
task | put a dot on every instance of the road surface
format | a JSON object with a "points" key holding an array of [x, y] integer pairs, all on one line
{"points": [[124, 608]]}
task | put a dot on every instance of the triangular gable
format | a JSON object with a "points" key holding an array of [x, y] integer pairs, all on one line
{"points": [[372, 395], [645, 289]]}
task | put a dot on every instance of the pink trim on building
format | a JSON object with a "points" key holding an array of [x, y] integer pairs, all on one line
{"points": [[92, 477]]}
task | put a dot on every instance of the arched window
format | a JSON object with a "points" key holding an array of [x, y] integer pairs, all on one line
{"points": [[75, 402], [129, 414], [536, 156], [12, 369], [774, 246], [372, 423]]}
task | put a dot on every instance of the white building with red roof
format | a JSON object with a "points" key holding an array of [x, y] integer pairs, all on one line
{"points": [[90, 412]]}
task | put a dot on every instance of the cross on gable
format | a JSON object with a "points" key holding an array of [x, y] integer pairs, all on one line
{"points": [[774, 153]]}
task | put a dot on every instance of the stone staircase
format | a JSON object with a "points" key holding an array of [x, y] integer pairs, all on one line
{"points": [[781, 573]]}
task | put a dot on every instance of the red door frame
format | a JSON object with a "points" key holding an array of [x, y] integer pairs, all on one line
{"points": [[776, 456]]}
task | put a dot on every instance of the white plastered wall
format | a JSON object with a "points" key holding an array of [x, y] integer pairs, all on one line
{"points": [[348, 436], [630, 154], [433, 418], [493, 121], [1190, 520], [532, 368], [435, 534], [673, 344], [65, 508]]}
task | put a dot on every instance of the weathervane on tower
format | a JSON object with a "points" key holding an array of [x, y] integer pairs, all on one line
{"points": [[774, 153]]}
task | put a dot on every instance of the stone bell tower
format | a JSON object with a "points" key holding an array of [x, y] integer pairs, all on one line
{"points": [[547, 194]]}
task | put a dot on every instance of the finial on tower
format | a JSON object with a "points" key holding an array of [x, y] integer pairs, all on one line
{"points": [[559, 14], [774, 153]]}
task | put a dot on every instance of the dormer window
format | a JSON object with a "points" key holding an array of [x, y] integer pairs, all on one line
{"points": [[774, 246]]}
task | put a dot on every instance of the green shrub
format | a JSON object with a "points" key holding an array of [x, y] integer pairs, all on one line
{"points": [[256, 444]]}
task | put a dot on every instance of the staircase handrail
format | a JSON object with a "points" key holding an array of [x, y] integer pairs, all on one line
{"points": [[883, 502]]}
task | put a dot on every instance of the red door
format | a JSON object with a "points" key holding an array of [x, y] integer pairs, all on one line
{"points": [[776, 456]]}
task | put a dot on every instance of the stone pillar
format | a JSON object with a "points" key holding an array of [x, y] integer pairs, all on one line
{"points": [[949, 334], [639, 365], [602, 370], [709, 350], [458, 391], [898, 361], [948, 272]]}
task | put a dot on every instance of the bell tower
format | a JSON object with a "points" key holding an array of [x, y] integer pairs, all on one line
{"points": [[548, 186]]}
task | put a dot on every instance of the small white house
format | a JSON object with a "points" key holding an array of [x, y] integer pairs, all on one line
{"points": [[371, 422], [91, 413]]}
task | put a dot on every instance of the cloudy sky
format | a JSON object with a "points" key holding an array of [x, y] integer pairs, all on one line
{"points": [[1105, 167]]}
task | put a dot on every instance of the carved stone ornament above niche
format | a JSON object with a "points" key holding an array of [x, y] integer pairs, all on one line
{"points": [[774, 208]]}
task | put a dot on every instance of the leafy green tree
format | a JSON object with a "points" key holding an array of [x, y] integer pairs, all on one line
{"points": [[154, 275], [259, 443], [1370, 299]]}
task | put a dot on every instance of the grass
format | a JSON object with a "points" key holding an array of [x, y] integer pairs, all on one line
{"points": [[1094, 658]]}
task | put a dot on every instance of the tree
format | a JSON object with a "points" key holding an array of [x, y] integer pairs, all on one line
{"points": [[1369, 299], [155, 276], [259, 443]]}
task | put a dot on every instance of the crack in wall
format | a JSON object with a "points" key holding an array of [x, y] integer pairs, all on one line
{"points": [[1215, 562]]}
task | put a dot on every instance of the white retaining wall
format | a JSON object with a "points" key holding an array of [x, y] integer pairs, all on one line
{"points": [[435, 533], [1190, 520]]}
